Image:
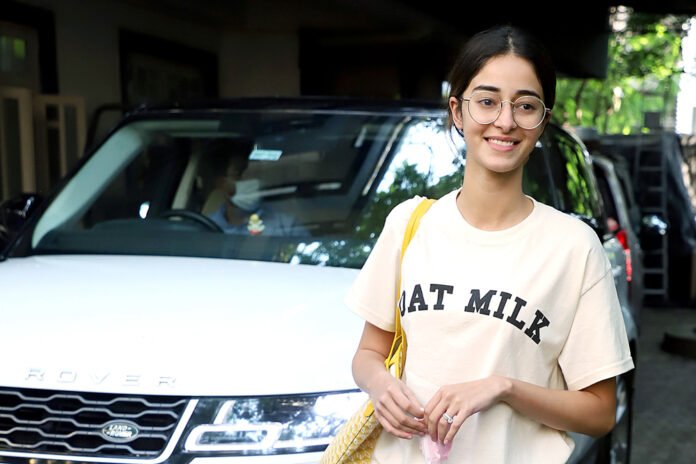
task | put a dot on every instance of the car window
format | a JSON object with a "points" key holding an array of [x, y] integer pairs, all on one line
{"points": [[536, 182], [607, 196], [573, 182], [149, 181], [425, 163], [305, 187], [623, 174]]}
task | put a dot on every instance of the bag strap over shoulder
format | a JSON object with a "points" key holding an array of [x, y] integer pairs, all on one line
{"points": [[414, 222], [397, 354]]}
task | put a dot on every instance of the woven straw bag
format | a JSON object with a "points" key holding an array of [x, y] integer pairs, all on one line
{"points": [[355, 441]]}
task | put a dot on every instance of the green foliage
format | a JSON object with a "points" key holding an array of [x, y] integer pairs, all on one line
{"points": [[643, 71], [352, 250], [408, 182]]}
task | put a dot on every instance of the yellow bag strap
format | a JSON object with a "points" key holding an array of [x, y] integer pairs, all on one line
{"points": [[397, 353]]}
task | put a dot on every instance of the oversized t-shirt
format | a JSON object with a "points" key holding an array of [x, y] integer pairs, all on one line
{"points": [[534, 302]]}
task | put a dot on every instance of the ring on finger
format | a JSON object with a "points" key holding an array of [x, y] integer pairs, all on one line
{"points": [[448, 418]]}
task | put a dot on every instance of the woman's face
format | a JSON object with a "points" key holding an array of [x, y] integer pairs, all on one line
{"points": [[501, 146]]}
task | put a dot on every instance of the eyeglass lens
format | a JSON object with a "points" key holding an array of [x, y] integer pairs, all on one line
{"points": [[527, 111]]}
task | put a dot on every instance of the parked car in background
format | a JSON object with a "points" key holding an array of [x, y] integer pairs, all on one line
{"points": [[166, 337], [14, 213], [572, 186], [619, 222], [668, 209], [623, 213]]}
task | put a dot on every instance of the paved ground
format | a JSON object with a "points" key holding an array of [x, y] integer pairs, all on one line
{"points": [[665, 402]]}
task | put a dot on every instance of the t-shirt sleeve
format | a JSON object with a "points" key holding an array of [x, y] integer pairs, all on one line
{"points": [[597, 345], [372, 295]]}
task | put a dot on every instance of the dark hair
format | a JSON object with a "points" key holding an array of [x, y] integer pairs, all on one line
{"points": [[497, 41], [220, 153]]}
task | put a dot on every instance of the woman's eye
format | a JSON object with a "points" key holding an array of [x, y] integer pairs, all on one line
{"points": [[486, 102], [526, 106]]}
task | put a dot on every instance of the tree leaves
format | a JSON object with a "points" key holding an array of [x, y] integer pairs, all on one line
{"points": [[644, 65]]}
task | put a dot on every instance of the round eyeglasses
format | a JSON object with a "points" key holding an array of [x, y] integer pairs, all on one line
{"points": [[528, 111]]}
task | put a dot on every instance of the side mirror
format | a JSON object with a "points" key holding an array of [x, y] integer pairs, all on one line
{"points": [[653, 228], [14, 214], [592, 222], [653, 225]]}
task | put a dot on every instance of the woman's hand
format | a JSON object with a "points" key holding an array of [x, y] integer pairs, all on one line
{"points": [[590, 411], [397, 408], [459, 401]]}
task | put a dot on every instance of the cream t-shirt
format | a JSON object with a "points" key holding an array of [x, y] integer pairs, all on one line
{"points": [[535, 302]]}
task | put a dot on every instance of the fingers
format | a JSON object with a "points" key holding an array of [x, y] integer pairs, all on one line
{"points": [[409, 415], [399, 412], [453, 404], [414, 408], [434, 410], [444, 426], [394, 426], [444, 417], [454, 427], [438, 426]]}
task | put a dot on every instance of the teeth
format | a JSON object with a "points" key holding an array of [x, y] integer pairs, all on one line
{"points": [[502, 142]]}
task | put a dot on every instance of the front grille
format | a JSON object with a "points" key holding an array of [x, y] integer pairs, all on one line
{"points": [[71, 423]]}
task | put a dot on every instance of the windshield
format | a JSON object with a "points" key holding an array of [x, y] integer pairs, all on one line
{"points": [[301, 187]]}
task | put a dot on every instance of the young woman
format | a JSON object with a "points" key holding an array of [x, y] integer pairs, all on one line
{"points": [[514, 329]]}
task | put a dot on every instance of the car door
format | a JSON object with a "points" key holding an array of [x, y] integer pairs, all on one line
{"points": [[577, 192]]}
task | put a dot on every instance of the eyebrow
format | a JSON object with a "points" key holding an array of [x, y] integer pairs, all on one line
{"points": [[491, 88]]}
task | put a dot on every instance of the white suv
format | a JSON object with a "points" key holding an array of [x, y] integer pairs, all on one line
{"points": [[164, 307]]}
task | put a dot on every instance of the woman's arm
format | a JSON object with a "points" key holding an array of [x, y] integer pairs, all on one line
{"points": [[591, 411], [396, 407]]}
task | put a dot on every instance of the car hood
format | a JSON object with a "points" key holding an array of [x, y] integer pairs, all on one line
{"points": [[175, 326]]}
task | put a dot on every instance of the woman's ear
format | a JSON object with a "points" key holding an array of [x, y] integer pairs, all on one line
{"points": [[455, 107], [547, 119]]}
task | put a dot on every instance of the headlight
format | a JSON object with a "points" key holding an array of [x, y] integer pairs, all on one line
{"points": [[273, 425]]}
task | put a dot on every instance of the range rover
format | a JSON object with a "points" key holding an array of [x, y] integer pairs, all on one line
{"points": [[140, 328]]}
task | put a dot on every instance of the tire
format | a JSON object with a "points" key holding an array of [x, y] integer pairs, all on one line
{"points": [[615, 447]]}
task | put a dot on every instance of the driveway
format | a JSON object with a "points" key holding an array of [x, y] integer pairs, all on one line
{"points": [[665, 402]]}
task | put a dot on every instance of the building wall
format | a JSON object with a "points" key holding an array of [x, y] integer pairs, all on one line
{"points": [[87, 48], [259, 64]]}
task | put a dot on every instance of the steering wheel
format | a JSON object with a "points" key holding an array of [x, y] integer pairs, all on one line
{"points": [[193, 216]]}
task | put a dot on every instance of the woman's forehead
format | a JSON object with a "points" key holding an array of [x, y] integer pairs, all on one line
{"points": [[507, 74]]}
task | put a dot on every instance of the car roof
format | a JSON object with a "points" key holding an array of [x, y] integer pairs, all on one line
{"points": [[311, 104], [601, 159], [306, 103]]}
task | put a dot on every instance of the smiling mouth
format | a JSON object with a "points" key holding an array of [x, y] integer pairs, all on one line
{"points": [[502, 143]]}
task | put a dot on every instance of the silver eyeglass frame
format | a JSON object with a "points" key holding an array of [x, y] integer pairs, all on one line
{"points": [[547, 111]]}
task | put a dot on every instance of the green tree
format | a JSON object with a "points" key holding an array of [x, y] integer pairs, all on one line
{"points": [[643, 76], [408, 182], [352, 249]]}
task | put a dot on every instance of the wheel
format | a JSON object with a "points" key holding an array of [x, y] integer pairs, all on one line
{"points": [[191, 216], [615, 447]]}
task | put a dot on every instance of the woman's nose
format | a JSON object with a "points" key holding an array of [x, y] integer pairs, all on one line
{"points": [[506, 118]]}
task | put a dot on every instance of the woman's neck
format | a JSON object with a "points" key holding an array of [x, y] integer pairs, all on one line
{"points": [[493, 202]]}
